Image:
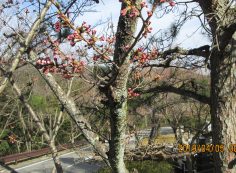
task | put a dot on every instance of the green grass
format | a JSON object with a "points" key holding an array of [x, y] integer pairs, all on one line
{"points": [[145, 167]]}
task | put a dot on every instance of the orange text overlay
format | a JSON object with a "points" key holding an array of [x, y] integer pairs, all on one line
{"points": [[196, 148]]}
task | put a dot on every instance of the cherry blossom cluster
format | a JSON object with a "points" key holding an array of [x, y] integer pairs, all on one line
{"points": [[133, 11], [102, 45], [79, 31], [106, 48], [61, 64], [142, 57], [73, 38], [147, 29], [57, 26], [131, 93], [68, 66], [105, 43], [77, 35]]}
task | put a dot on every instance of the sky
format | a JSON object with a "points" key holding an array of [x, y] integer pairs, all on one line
{"points": [[186, 38], [189, 36], [111, 8]]}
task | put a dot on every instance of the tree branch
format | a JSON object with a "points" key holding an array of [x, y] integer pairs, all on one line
{"points": [[24, 46], [203, 51], [178, 90], [75, 114]]}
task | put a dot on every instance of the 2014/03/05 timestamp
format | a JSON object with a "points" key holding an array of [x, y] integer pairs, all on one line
{"points": [[196, 148]]}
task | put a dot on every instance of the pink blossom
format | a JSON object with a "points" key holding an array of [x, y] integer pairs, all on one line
{"points": [[140, 49], [70, 37], [82, 63], [143, 4], [45, 41], [94, 32], [149, 13], [127, 47], [96, 57], [46, 70], [124, 12], [134, 12], [172, 3], [72, 43], [56, 43], [149, 29], [39, 61], [57, 26], [102, 38]]}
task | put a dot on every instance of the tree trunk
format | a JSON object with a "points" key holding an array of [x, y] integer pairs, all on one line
{"points": [[117, 142], [223, 104], [55, 157], [153, 134], [116, 90], [221, 17], [118, 121], [175, 132]]}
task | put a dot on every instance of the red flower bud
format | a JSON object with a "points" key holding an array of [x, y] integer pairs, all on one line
{"points": [[57, 26], [172, 3], [149, 13], [102, 38], [124, 12], [143, 4]]}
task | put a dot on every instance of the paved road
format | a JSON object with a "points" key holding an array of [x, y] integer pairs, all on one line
{"points": [[70, 163]]}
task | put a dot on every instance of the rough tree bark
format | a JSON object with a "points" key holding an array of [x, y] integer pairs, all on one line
{"points": [[223, 104], [116, 91], [221, 16], [75, 114], [118, 113], [70, 106]]}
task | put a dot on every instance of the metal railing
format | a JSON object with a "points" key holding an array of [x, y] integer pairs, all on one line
{"points": [[14, 158]]}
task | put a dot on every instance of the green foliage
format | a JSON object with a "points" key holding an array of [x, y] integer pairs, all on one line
{"points": [[37, 102], [206, 88], [139, 101], [145, 167], [4, 133], [4, 148], [191, 122], [62, 136]]}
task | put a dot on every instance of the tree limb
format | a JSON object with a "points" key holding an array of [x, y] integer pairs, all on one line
{"points": [[178, 90], [203, 51], [24, 46]]}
